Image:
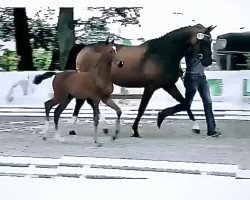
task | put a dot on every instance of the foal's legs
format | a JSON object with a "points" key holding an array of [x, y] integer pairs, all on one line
{"points": [[147, 94], [183, 106], [79, 104], [96, 121], [58, 111], [114, 106], [48, 106]]}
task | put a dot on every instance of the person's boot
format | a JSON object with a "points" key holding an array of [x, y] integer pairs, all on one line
{"points": [[214, 133]]}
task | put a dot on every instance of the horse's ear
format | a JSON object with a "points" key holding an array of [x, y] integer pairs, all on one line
{"points": [[113, 41], [210, 28], [107, 40]]}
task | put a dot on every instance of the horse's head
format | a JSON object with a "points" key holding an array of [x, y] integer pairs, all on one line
{"points": [[200, 42], [111, 50]]}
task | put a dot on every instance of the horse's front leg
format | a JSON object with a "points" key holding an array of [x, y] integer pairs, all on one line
{"points": [[57, 113], [147, 94], [114, 106], [96, 122]]}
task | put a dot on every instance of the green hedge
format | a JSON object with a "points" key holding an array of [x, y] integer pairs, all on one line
{"points": [[41, 60], [248, 61]]}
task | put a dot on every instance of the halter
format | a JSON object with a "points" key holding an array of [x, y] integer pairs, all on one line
{"points": [[204, 37]]}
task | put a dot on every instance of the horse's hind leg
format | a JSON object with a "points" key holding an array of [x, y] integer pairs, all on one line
{"points": [[58, 111], [114, 106], [79, 104], [48, 106], [175, 93]]}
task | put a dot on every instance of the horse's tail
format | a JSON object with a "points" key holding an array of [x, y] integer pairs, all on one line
{"points": [[39, 78], [71, 60]]}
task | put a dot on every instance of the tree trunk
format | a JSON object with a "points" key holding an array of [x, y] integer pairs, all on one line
{"points": [[23, 47], [66, 34], [54, 64]]}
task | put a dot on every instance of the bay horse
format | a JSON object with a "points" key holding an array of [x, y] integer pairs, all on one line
{"points": [[95, 84], [155, 64]]}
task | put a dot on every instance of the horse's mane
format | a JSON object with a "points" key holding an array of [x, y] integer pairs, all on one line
{"points": [[173, 32]]}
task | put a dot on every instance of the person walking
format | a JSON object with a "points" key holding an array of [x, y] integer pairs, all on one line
{"points": [[194, 80]]}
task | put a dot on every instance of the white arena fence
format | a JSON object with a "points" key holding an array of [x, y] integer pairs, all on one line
{"points": [[230, 91]]}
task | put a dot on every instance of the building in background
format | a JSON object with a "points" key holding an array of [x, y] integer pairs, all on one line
{"points": [[230, 50]]}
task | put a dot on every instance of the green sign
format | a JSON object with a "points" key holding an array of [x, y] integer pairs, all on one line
{"points": [[246, 87], [215, 86]]}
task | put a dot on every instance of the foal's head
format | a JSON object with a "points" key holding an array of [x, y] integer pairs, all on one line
{"points": [[201, 43], [110, 50]]}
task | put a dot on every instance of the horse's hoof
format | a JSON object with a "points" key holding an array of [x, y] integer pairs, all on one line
{"points": [[44, 138], [106, 131], [136, 135], [197, 131], [62, 140], [160, 119], [98, 144], [72, 132]]}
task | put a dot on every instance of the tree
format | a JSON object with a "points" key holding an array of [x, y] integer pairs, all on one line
{"points": [[66, 34], [95, 28], [43, 32], [22, 37], [7, 29]]}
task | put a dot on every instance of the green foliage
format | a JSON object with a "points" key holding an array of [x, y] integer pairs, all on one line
{"points": [[7, 29], [41, 59], [95, 28], [248, 61], [9, 60], [42, 33]]}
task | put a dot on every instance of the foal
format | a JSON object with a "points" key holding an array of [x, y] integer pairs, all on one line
{"points": [[95, 85]]}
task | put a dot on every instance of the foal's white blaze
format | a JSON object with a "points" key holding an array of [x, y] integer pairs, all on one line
{"points": [[114, 48]]}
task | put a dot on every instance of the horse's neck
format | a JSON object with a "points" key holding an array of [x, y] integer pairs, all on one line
{"points": [[174, 44], [182, 44]]}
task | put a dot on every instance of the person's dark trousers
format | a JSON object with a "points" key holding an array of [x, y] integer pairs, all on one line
{"points": [[199, 83]]}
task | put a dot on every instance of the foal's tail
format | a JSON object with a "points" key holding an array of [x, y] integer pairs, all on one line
{"points": [[39, 78]]}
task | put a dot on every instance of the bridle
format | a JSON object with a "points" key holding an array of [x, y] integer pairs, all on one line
{"points": [[200, 37]]}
